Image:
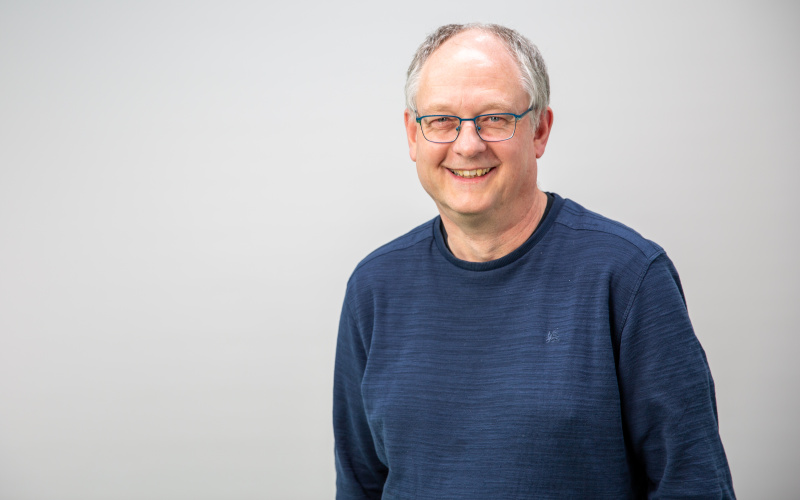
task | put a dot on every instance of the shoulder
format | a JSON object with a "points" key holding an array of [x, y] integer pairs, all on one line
{"points": [[596, 233], [392, 256], [388, 267], [607, 257], [419, 234], [602, 252]]}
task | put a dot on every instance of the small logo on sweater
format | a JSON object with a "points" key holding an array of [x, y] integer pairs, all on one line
{"points": [[552, 336]]}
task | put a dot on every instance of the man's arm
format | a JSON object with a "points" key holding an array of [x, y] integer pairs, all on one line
{"points": [[668, 395], [359, 472]]}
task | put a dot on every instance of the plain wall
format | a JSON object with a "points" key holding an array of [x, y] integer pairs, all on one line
{"points": [[185, 188]]}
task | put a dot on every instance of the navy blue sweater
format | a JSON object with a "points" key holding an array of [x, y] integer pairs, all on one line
{"points": [[566, 369]]}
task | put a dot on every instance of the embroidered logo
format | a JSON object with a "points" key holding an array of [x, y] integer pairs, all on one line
{"points": [[552, 336]]}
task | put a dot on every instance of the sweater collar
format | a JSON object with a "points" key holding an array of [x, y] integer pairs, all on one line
{"points": [[538, 234]]}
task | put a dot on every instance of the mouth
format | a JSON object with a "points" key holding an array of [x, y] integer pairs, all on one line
{"points": [[470, 174]]}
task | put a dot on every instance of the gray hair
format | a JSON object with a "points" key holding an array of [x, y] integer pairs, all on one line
{"points": [[533, 71]]}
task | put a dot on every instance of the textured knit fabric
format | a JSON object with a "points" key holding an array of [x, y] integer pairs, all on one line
{"points": [[566, 369]]}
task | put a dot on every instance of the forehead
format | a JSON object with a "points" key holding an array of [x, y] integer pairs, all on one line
{"points": [[472, 69]]}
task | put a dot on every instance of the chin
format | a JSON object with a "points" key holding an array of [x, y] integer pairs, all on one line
{"points": [[466, 210]]}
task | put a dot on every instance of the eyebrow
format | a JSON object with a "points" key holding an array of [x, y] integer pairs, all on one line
{"points": [[442, 109]]}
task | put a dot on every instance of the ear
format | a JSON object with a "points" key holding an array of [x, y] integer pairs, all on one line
{"points": [[543, 132], [411, 133]]}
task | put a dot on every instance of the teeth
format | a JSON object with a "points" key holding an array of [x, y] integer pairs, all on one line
{"points": [[471, 173]]}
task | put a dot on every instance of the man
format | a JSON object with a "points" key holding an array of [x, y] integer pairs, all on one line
{"points": [[518, 345]]}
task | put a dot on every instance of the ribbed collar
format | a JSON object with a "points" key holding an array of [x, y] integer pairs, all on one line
{"points": [[507, 259]]}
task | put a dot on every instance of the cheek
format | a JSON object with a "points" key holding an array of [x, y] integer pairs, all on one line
{"points": [[430, 155], [525, 157], [424, 172]]}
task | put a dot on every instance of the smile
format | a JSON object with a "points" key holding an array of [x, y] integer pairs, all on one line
{"points": [[469, 174]]}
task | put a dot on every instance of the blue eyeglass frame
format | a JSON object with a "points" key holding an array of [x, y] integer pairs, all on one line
{"points": [[473, 120]]}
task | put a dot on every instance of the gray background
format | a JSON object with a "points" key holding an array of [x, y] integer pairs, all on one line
{"points": [[186, 186]]}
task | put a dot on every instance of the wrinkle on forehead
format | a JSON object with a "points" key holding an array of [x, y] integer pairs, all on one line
{"points": [[487, 97]]}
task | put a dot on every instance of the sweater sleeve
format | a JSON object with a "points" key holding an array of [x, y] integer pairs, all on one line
{"points": [[359, 472], [668, 396]]}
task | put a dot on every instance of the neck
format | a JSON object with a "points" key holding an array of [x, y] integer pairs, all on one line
{"points": [[481, 239]]}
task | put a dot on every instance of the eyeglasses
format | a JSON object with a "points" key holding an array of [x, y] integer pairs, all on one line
{"points": [[494, 127]]}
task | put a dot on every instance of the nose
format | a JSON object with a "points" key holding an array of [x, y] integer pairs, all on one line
{"points": [[468, 143]]}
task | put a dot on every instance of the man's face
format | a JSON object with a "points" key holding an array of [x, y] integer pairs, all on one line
{"points": [[469, 75]]}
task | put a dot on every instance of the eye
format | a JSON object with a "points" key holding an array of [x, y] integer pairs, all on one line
{"points": [[441, 122], [498, 120]]}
